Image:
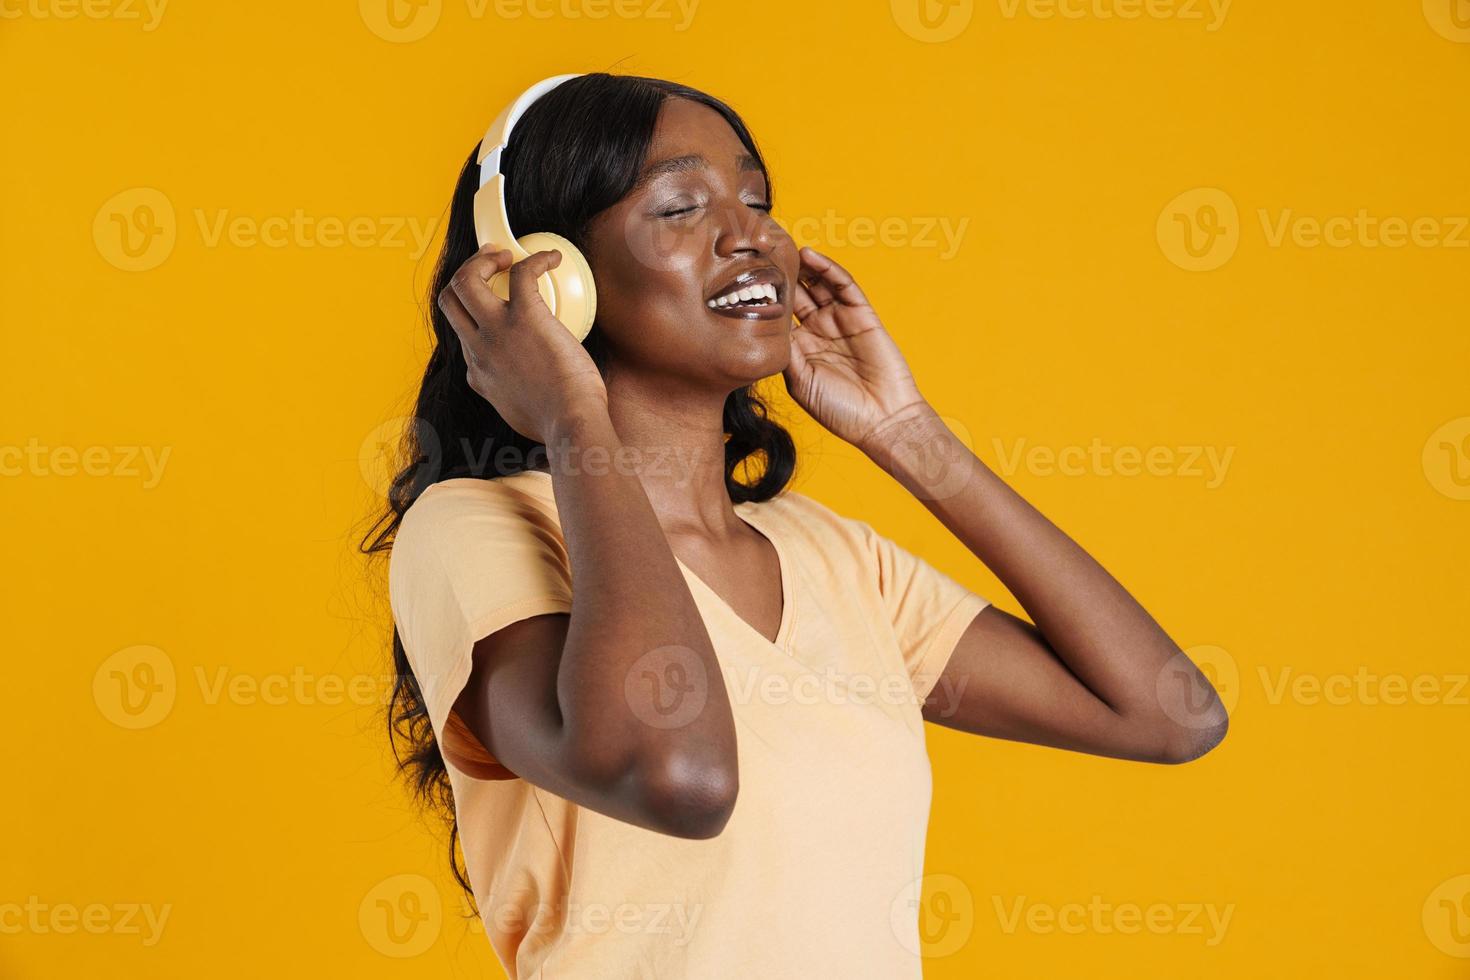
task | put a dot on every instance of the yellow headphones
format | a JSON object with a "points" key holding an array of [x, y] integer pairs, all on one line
{"points": [[568, 289]]}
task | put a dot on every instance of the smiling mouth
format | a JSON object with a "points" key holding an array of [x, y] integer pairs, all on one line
{"points": [[757, 301]]}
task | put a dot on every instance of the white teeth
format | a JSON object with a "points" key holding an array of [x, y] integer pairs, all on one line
{"points": [[764, 292]]}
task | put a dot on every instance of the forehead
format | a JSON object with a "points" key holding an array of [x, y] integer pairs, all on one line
{"points": [[689, 129]]}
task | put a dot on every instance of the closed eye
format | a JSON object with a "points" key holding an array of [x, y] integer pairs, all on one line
{"points": [[675, 212]]}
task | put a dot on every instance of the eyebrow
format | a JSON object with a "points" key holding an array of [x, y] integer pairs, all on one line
{"points": [[690, 161]]}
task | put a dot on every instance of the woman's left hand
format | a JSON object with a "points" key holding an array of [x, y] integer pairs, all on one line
{"points": [[845, 369]]}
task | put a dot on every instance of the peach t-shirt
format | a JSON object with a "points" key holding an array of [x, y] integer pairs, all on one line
{"points": [[817, 873]]}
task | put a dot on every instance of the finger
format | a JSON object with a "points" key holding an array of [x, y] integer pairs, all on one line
{"points": [[470, 282], [523, 275], [838, 282], [810, 319], [488, 260], [802, 303], [459, 318], [795, 366], [815, 287]]}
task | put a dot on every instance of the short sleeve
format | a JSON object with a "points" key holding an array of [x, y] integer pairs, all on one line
{"points": [[928, 609], [469, 558]]}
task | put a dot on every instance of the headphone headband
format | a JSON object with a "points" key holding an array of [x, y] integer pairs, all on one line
{"points": [[568, 290], [497, 137]]}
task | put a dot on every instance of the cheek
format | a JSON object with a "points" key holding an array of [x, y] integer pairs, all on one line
{"points": [[630, 293], [647, 315], [660, 247], [785, 255]]}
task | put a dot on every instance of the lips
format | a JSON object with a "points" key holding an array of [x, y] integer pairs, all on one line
{"points": [[753, 294]]}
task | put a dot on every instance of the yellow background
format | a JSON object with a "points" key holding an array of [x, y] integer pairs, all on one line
{"points": [[263, 816]]}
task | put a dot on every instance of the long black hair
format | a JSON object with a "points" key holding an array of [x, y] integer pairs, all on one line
{"points": [[584, 144]]}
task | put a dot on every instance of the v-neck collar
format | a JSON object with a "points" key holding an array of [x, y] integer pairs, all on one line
{"points": [[746, 511]]}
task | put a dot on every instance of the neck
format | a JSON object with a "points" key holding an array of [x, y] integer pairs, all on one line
{"points": [[676, 439]]}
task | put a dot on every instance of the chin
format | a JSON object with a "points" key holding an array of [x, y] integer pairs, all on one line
{"points": [[750, 354]]}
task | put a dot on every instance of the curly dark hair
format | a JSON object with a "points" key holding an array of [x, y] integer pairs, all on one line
{"points": [[585, 142]]}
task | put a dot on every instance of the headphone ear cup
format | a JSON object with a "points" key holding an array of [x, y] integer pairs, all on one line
{"points": [[568, 290]]}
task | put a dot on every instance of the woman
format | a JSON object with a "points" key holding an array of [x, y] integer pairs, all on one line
{"points": [[711, 763]]}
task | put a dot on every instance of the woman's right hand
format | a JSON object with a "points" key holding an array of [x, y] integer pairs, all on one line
{"points": [[521, 359]]}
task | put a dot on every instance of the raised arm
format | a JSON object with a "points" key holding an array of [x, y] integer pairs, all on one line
{"points": [[1095, 673], [569, 702]]}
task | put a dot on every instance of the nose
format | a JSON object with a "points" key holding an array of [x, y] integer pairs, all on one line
{"points": [[743, 228]]}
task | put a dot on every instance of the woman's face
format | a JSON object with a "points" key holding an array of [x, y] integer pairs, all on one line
{"points": [[695, 227]]}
